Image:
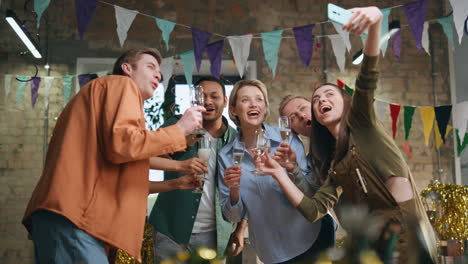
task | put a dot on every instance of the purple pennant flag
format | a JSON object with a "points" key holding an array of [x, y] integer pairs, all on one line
{"points": [[83, 79], [200, 39], [442, 114], [215, 54], [416, 14], [396, 44], [34, 89], [84, 10], [304, 42]]}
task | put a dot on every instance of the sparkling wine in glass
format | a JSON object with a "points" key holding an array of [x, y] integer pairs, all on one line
{"points": [[204, 153], [197, 98], [238, 154], [285, 131], [261, 146]]}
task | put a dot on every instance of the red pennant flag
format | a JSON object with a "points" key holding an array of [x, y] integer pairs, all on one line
{"points": [[340, 84], [407, 149], [394, 111]]}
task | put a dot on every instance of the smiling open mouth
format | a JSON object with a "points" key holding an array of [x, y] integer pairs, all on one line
{"points": [[325, 109], [253, 113]]}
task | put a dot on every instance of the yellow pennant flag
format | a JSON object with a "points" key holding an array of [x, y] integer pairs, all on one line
{"points": [[438, 137], [427, 117]]}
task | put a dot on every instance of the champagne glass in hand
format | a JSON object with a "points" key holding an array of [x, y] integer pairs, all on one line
{"points": [[197, 98], [285, 131], [204, 153], [261, 146], [238, 153]]}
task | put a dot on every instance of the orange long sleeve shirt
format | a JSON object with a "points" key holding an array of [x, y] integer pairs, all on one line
{"points": [[96, 169]]}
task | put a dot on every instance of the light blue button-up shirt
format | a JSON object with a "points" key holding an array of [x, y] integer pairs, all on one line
{"points": [[277, 230]]}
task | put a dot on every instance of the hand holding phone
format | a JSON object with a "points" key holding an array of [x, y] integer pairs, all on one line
{"points": [[340, 15]]}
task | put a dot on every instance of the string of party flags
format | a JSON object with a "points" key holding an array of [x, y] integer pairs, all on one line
{"points": [[429, 114], [440, 114], [415, 13]]}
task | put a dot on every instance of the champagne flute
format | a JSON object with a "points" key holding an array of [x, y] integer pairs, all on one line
{"points": [[238, 154], [285, 131], [204, 153], [261, 145], [197, 98]]}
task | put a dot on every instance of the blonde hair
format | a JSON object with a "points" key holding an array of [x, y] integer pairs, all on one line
{"points": [[287, 99], [233, 96]]}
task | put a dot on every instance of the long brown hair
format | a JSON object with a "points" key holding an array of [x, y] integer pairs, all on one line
{"points": [[324, 148]]}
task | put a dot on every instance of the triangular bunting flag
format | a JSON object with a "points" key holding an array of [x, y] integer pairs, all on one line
{"points": [[124, 18], [425, 38], [240, 46], [215, 55], [349, 90], [339, 49], [48, 80], [35, 81], [460, 10], [67, 82], [39, 7], [394, 112], [460, 117], [408, 112], [84, 10], [396, 44], [461, 145], [340, 83], [304, 42], [167, 68], [438, 137], [344, 35], [381, 109], [407, 149], [102, 73], [8, 78], [166, 28], [200, 39], [427, 117], [188, 60], [446, 23], [271, 43], [83, 79], [384, 29], [416, 14], [21, 84], [442, 114]]}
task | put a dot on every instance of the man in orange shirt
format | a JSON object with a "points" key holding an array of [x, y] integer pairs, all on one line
{"points": [[93, 190]]}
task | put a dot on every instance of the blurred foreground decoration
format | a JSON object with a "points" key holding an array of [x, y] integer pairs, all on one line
{"points": [[447, 206], [147, 250]]}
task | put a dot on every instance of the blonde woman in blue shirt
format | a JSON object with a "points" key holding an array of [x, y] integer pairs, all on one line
{"points": [[278, 232]]}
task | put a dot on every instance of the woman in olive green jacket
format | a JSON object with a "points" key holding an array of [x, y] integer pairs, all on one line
{"points": [[354, 156]]}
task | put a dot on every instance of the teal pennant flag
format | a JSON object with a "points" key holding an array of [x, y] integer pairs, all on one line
{"points": [[384, 30], [21, 84], [166, 28], [271, 42], [188, 59], [39, 7], [446, 23], [67, 82]]}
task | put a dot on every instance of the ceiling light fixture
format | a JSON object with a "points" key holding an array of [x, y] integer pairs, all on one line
{"points": [[23, 34]]}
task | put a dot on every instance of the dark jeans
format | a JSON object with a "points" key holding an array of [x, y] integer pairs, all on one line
{"points": [[325, 239]]}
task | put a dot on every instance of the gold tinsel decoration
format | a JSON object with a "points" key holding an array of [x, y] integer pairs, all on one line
{"points": [[147, 253], [448, 210]]}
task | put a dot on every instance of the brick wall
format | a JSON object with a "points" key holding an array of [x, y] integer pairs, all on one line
{"points": [[408, 82]]}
